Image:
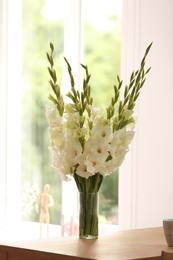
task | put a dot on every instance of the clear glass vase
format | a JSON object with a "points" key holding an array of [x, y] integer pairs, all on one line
{"points": [[88, 215]]}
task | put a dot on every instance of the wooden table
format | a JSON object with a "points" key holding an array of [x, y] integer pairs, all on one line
{"points": [[120, 245]]}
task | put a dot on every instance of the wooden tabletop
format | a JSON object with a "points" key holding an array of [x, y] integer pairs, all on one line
{"points": [[120, 245]]}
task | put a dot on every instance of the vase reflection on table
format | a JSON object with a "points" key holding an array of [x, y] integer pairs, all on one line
{"points": [[86, 145]]}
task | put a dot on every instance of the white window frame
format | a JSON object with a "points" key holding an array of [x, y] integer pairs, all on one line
{"points": [[10, 120], [10, 91]]}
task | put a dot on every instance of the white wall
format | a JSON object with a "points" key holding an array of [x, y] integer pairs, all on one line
{"points": [[146, 177]]}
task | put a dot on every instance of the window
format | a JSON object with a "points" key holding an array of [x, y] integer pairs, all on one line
{"points": [[79, 35], [102, 48]]}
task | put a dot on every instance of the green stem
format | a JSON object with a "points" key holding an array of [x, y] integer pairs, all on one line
{"points": [[88, 217], [92, 184]]}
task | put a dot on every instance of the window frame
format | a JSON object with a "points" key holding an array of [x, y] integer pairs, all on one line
{"points": [[10, 130]]}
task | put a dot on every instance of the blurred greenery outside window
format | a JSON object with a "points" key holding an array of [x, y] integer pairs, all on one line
{"points": [[102, 47]]}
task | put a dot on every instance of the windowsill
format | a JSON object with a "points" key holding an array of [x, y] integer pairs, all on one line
{"points": [[30, 230], [26, 230]]}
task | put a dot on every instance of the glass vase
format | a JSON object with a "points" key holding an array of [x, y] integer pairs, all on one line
{"points": [[88, 215]]}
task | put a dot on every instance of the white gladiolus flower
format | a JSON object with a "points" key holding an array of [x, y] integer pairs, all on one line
{"points": [[83, 172], [84, 143], [102, 133], [103, 150], [73, 152], [96, 112]]}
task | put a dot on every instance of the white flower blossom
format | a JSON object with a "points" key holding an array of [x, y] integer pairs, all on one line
{"points": [[87, 151], [83, 142], [83, 172]]}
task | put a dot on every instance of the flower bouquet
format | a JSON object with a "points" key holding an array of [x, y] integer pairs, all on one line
{"points": [[87, 145]]}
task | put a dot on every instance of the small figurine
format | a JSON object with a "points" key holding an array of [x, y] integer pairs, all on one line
{"points": [[46, 201]]}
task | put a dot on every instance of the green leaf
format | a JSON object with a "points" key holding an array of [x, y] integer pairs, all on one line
{"points": [[51, 46], [70, 72]]}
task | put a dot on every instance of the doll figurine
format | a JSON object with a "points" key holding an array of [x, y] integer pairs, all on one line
{"points": [[46, 201]]}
